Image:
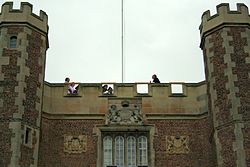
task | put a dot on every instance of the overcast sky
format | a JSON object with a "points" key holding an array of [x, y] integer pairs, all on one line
{"points": [[160, 37]]}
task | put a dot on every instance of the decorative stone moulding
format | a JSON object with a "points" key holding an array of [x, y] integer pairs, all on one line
{"points": [[177, 144], [124, 116], [75, 144]]}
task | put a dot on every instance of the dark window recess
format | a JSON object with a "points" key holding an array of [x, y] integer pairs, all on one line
{"points": [[27, 136], [13, 42]]}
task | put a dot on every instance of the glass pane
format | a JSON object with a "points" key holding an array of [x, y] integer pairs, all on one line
{"points": [[131, 152], [119, 151], [107, 150], [143, 153], [13, 40]]}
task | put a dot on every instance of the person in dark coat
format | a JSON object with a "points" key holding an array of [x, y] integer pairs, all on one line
{"points": [[155, 79]]}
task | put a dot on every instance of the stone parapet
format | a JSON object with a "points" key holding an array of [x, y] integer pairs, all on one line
{"points": [[158, 98], [23, 15], [224, 16]]}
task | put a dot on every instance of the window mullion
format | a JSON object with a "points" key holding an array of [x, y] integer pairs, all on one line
{"points": [[113, 150], [137, 151], [128, 150], [125, 150]]}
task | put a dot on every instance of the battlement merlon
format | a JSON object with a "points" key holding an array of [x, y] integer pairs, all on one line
{"points": [[224, 16], [25, 15]]}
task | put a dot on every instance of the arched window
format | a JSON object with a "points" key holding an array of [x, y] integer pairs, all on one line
{"points": [[13, 42], [131, 151], [107, 150], [142, 148], [119, 151]]}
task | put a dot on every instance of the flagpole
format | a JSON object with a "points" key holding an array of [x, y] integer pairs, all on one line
{"points": [[122, 39]]}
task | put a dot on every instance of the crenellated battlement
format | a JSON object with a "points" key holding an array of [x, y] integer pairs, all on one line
{"points": [[224, 16], [23, 15], [156, 98]]}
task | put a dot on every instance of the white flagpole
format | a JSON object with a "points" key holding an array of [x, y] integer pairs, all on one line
{"points": [[122, 38]]}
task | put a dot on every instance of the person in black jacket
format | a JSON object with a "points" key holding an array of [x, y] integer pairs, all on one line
{"points": [[155, 79]]}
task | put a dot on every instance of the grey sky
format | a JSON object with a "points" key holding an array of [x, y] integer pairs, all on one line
{"points": [[161, 37]]}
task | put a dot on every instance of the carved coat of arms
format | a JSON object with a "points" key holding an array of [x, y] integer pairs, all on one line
{"points": [[177, 145], [125, 115], [75, 144]]}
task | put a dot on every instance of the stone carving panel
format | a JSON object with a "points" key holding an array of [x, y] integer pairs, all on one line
{"points": [[125, 115], [75, 144], [177, 145]]}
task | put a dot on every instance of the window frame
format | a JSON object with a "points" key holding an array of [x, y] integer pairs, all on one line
{"points": [[132, 158], [13, 44], [125, 136], [109, 149], [119, 151], [28, 136]]}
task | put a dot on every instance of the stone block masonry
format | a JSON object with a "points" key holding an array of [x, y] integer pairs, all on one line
{"points": [[225, 37], [21, 83]]}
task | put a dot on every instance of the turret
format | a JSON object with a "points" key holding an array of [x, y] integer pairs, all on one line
{"points": [[23, 45], [225, 41]]}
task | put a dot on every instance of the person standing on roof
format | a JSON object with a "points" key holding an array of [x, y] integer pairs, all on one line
{"points": [[155, 79]]}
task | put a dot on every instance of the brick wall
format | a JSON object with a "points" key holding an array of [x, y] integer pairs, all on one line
{"points": [[227, 71], [241, 57], [52, 143], [32, 81], [200, 147], [8, 96], [21, 95]]}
